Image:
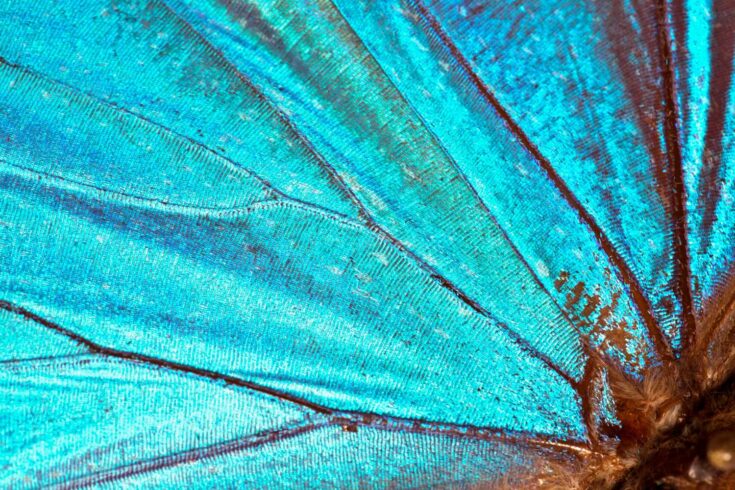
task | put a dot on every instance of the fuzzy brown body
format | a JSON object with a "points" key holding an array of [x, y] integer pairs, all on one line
{"points": [[667, 420]]}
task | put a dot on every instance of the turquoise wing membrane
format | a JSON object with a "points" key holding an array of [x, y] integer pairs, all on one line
{"points": [[350, 243], [126, 422], [589, 94], [594, 102]]}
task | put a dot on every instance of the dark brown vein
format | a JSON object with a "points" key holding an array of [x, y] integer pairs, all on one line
{"points": [[624, 273], [352, 421], [190, 456], [348, 420], [682, 263], [365, 213], [95, 348], [722, 46], [51, 359]]}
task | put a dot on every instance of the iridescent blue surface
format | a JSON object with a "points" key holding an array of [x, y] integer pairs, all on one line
{"points": [[352, 243]]}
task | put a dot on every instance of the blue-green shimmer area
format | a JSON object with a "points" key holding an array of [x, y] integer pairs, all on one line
{"points": [[353, 243]]}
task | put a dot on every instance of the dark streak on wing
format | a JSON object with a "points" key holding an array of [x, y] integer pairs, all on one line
{"points": [[348, 420], [174, 366], [723, 49], [682, 273], [189, 456]]}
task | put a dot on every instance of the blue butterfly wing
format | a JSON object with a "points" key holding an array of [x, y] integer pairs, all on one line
{"points": [[149, 248], [81, 419], [590, 94], [593, 93], [72, 418], [273, 242]]}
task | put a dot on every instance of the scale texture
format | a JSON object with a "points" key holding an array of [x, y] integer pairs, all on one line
{"points": [[348, 243]]}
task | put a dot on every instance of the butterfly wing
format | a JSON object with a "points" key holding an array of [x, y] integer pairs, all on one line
{"points": [[84, 419], [368, 217], [147, 248], [642, 102]]}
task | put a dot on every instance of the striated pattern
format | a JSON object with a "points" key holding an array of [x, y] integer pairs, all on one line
{"points": [[356, 243]]}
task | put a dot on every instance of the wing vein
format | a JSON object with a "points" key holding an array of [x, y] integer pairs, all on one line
{"points": [[95, 348], [346, 420], [416, 426], [190, 456], [682, 264], [335, 417]]}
